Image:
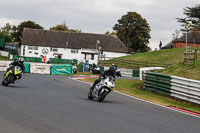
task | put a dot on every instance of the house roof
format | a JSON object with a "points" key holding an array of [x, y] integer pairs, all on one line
{"points": [[61, 39], [190, 38], [169, 45]]}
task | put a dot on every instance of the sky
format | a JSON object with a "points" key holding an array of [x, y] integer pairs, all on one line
{"points": [[97, 16]]}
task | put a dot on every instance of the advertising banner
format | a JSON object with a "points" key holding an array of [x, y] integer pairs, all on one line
{"points": [[40, 68], [61, 69]]}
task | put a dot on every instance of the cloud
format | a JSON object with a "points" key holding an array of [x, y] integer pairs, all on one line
{"points": [[97, 16]]}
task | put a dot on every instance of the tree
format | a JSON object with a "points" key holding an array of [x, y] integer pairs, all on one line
{"points": [[192, 14], [17, 31], [112, 33], [6, 32], [133, 31], [60, 27], [63, 27]]}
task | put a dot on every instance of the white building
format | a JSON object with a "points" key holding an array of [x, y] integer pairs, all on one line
{"points": [[70, 45]]}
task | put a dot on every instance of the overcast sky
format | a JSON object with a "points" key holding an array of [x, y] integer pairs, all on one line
{"points": [[97, 16]]}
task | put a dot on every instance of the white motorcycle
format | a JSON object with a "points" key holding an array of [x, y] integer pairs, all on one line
{"points": [[102, 89], [95, 70]]}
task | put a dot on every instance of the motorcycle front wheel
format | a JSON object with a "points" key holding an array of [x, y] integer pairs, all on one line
{"points": [[102, 95], [9, 80]]}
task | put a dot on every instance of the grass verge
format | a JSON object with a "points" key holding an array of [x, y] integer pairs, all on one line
{"points": [[3, 58], [133, 88]]}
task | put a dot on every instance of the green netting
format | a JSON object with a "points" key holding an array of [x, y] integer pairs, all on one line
{"points": [[62, 61], [29, 59], [27, 67], [61, 69], [80, 67], [2, 40]]}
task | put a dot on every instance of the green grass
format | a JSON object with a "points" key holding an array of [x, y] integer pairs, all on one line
{"points": [[3, 58], [134, 88], [167, 56]]}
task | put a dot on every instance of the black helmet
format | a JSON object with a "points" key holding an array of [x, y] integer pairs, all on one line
{"points": [[21, 60], [113, 69]]}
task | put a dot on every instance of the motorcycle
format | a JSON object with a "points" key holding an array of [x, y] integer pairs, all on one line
{"points": [[12, 75], [102, 89], [95, 70]]}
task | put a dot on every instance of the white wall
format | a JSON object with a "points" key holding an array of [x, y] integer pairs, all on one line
{"points": [[65, 51], [67, 54], [110, 55]]}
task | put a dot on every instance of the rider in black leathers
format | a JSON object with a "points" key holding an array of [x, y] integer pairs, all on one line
{"points": [[20, 63], [112, 71]]}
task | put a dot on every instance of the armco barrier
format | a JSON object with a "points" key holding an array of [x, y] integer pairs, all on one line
{"points": [[158, 82], [136, 73], [182, 88], [126, 72], [186, 89]]}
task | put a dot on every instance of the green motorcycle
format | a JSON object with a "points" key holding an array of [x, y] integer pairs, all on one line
{"points": [[12, 75]]}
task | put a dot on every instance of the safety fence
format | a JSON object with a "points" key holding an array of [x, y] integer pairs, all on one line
{"points": [[52, 60], [124, 72], [41, 68], [182, 88]]}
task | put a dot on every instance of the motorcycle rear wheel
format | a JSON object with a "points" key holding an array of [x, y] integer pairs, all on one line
{"points": [[90, 95], [3, 82]]}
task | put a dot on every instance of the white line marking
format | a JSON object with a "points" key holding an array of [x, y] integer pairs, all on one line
{"points": [[145, 100]]}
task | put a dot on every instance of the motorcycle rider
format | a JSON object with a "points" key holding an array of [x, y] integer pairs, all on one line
{"points": [[20, 63], [72, 63], [112, 71], [94, 65]]}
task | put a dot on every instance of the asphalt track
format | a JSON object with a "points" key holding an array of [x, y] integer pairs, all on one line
{"points": [[56, 104]]}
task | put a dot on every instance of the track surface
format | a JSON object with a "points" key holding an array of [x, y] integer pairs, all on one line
{"points": [[55, 104]]}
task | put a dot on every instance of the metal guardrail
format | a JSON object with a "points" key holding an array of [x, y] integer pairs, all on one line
{"points": [[182, 88], [159, 83], [186, 89]]}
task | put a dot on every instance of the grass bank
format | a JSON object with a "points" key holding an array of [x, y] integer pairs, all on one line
{"points": [[134, 88]]}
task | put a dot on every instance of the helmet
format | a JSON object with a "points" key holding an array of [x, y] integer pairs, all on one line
{"points": [[21, 60], [113, 69]]}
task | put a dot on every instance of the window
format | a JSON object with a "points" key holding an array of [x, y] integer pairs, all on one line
{"points": [[54, 49], [90, 56], [74, 51], [32, 47]]}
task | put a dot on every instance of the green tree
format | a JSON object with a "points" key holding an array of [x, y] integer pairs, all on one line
{"points": [[60, 27], [6, 32], [133, 31], [192, 14], [17, 31], [63, 27], [112, 33]]}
